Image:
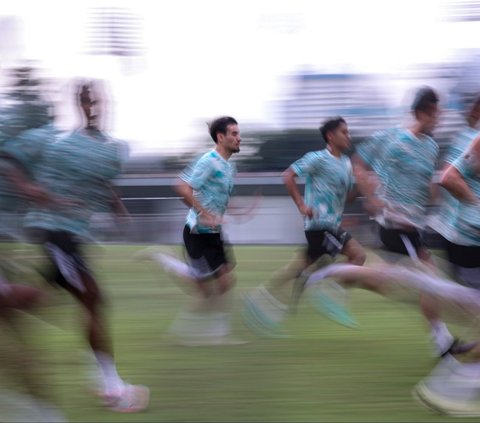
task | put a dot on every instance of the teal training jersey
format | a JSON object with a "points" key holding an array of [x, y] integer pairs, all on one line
{"points": [[211, 178], [21, 116], [28, 147], [468, 215], [328, 180], [20, 153], [78, 167], [405, 165], [445, 220]]}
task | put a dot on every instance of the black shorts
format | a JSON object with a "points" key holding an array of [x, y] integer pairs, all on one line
{"points": [[67, 265], [463, 255], [206, 252], [320, 242], [401, 241], [464, 261]]}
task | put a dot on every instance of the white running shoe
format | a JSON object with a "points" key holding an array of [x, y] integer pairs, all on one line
{"points": [[131, 399], [441, 404]]}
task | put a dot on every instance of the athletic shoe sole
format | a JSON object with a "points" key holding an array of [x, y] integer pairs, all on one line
{"points": [[443, 405], [335, 312]]}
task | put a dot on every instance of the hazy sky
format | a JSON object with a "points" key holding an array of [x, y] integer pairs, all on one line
{"points": [[210, 57]]}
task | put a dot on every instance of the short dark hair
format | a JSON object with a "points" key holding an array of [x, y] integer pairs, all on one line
{"points": [[425, 100], [219, 125], [331, 125]]}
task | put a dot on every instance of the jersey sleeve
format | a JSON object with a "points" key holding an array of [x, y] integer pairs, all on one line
{"points": [[467, 164], [306, 165], [197, 174]]}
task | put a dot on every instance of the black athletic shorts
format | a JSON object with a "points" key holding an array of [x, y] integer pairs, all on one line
{"points": [[463, 255], [400, 241], [67, 264], [464, 261], [206, 252], [320, 242]]}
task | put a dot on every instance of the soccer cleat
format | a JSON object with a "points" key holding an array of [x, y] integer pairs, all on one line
{"points": [[258, 323], [444, 405], [332, 307], [131, 399], [450, 389]]}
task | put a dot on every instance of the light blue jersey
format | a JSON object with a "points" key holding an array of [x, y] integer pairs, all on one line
{"points": [[211, 178], [328, 180], [78, 167], [461, 142], [22, 116], [405, 165], [20, 153], [468, 215], [445, 220], [29, 146]]}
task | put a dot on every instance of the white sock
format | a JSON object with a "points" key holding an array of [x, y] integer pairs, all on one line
{"points": [[172, 264], [441, 336], [112, 382]]}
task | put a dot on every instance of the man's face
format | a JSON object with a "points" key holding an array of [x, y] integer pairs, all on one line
{"points": [[340, 137], [429, 120], [231, 140], [90, 107]]}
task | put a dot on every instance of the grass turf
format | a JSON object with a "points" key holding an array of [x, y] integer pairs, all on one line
{"points": [[325, 373]]}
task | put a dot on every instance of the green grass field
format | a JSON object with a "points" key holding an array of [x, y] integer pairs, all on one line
{"points": [[325, 373]]}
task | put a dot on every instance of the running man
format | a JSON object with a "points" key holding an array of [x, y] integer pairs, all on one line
{"points": [[205, 187], [24, 132], [403, 161], [453, 387], [462, 245], [80, 168], [329, 183]]}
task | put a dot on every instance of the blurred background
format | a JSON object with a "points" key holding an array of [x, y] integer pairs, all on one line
{"points": [[279, 67]]}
